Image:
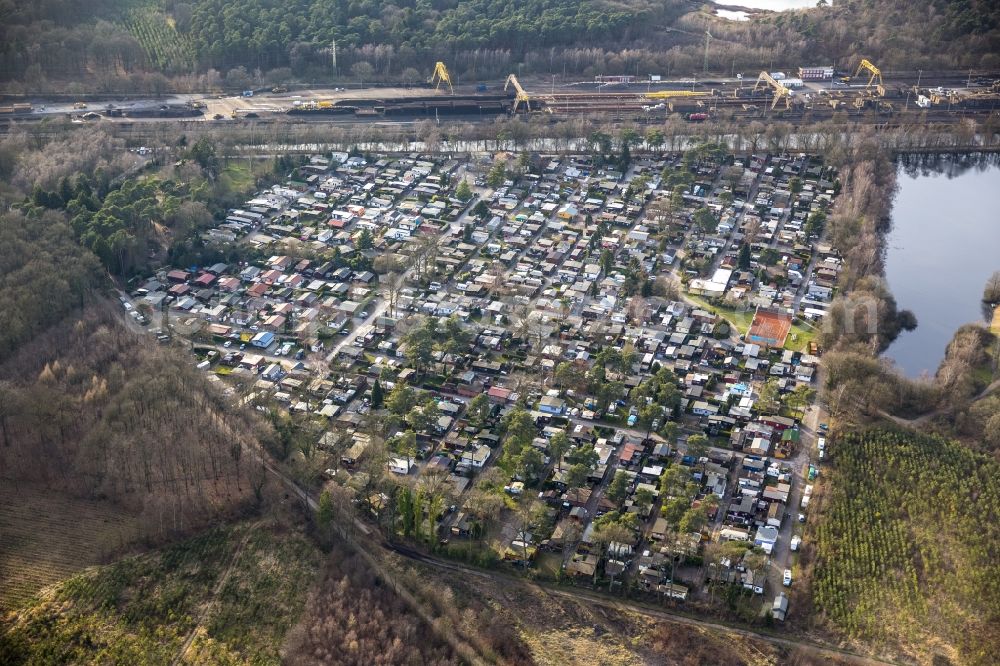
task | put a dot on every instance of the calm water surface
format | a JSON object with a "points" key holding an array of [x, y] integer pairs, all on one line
{"points": [[944, 244], [773, 5]]}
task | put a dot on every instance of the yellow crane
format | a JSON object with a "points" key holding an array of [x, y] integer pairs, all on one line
{"points": [[440, 76], [876, 76], [521, 95], [780, 91]]}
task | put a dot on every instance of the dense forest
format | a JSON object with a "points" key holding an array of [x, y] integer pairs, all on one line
{"points": [[38, 256], [907, 549], [129, 223], [134, 45], [87, 408]]}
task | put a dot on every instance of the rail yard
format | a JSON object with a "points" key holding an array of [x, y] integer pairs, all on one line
{"points": [[817, 94]]}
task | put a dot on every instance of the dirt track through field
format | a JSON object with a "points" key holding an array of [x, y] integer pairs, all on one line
{"points": [[206, 610]]}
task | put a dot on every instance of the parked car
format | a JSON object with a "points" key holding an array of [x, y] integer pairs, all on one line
{"points": [[786, 579], [795, 543]]}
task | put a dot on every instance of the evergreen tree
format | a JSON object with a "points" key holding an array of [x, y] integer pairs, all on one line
{"points": [[744, 258], [463, 192], [481, 210], [625, 159], [324, 519]]}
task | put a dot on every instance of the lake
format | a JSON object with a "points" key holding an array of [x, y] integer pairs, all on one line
{"points": [[943, 245], [773, 5]]}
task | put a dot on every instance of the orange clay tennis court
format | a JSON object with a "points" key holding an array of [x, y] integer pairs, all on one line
{"points": [[769, 328]]}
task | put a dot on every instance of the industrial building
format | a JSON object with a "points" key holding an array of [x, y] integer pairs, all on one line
{"points": [[816, 73]]}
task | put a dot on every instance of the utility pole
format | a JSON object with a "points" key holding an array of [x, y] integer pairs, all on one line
{"points": [[708, 36]]}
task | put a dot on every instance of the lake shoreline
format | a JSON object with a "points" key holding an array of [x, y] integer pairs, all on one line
{"points": [[937, 250]]}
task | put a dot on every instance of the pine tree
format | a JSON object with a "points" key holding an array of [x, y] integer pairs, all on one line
{"points": [[626, 157], [744, 258]]}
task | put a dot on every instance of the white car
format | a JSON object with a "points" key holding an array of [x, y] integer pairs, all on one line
{"points": [[786, 579], [795, 543]]}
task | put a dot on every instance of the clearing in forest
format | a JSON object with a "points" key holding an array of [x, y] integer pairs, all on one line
{"points": [[45, 537], [226, 596]]}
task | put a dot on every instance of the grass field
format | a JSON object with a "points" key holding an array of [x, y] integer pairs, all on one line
{"points": [[241, 175], [234, 590], [45, 538], [738, 319], [799, 337]]}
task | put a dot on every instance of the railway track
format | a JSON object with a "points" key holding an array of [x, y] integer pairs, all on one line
{"points": [[152, 128], [579, 594]]}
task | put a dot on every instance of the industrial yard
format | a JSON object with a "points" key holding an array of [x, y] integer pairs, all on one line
{"points": [[811, 93]]}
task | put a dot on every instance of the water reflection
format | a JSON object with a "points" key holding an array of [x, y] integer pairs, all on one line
{"points": [[943, 246]]}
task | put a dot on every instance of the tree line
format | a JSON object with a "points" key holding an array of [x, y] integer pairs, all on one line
{"points": [[210, 43]]}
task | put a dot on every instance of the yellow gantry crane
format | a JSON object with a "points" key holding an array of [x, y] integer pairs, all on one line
{"points": [[780, 90], [440, 76], [876, 76], [521, 95]]}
